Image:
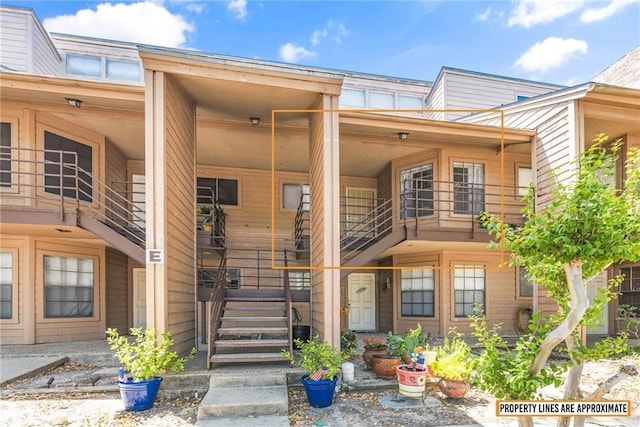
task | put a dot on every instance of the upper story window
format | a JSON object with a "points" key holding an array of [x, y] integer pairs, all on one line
{"points": [[68, 164], [5, 154], [416, 191], [384, 100], [521, 98], [468, 187], [293, 194], [225, 190], [103, 67]]}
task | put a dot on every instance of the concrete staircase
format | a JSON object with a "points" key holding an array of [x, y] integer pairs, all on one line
{"points": [[255, 398]]}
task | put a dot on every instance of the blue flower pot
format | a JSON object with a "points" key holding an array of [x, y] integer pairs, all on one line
{"points": [[319, 393], [139, 395]]}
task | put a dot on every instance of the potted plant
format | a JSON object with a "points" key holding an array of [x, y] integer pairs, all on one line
{"points": [[372, 345], [207, 222], [384, 364], [143, 360], [454, 364], [628, 320], [413, 376], [322, 363], [348, 342]]}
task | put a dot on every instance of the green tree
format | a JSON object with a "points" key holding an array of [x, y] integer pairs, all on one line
{"points": [[587, 226]]}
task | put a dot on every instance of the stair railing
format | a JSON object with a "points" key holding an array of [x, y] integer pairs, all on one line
{"points": [[288, 304], [374, 225], [216, 304], [301, 225]]}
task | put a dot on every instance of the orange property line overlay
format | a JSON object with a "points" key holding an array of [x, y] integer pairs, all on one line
{"points": [[369, 268]]}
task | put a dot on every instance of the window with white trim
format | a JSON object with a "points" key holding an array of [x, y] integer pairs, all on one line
{"points": [[416, 191], [6, 285], [630, 286], [5, 154], [468, 188], [525, 179], [469, 289], [293, 194], [68, 286], [525, 284], [417, 294]]}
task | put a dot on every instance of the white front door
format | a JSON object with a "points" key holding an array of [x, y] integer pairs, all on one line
{"points": [[362, 302], [596, 283], [139, 298]]}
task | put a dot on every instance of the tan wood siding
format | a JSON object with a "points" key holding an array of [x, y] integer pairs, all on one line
{"points": [[118, 300], [46, 60], [385, 296], [316, 135], [180, 215]]}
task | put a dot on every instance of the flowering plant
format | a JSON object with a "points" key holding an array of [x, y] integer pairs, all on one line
{"points": [[373, 342]]}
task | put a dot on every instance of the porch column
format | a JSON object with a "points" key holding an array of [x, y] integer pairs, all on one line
{"points": [[324, 176], [170, 208]]}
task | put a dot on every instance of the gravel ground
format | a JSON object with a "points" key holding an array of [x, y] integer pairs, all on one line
{"points": [[350, 408]]}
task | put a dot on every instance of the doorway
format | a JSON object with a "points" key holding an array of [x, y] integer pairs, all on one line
{"points": [[362, 301], [139, 298]]}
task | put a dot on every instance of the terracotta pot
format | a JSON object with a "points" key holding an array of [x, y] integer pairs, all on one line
{"points": [[411, 383], [367, 356], [384, 365], [454, 389]]}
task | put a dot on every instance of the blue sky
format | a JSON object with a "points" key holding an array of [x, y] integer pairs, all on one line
{"points": [[555, 41]]}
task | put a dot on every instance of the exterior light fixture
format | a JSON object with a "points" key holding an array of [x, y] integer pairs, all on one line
{"points": [[403, 135], [76, 103], [255, 121]]}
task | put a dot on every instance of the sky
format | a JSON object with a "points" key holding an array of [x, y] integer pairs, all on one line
{"points": [[553, 41]]}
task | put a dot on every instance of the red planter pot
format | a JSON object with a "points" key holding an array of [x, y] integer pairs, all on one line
{"points": [[367, 356], [384, 365], [455, 389]]}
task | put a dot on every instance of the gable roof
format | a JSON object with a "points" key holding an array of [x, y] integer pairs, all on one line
{"points": [[623, 73]]}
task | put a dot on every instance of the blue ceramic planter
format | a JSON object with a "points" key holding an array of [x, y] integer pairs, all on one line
{"points": [[139, 395], [319, 393]]}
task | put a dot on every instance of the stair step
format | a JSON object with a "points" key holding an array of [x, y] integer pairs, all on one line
{"points": [[233, 401], [247, 357], [255, 299], [238, 379], [252, 319], [250, 331], [251, 343], [251, 308]]}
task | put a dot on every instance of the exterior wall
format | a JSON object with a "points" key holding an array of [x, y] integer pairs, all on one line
{"points": [[501, 300], [469, 90], [436, 101], [180, 215], [117, 288], [385, 296], [26, 47], [19, 329]]}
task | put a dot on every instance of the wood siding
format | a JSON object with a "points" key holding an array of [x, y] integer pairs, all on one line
{"points": [[14, 40], [436, 101], [44, 56], [13, 330], [385, 296], [180, 215], [117, 290], [478, 91]]}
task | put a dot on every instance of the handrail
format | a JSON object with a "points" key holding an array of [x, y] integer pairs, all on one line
{"points": [[45, 176], [375, 224], [301, 223], [216, 217], [288, 305], [216, 305]]}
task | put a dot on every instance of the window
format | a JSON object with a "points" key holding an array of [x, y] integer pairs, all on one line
{"points": [[417, 292], [525, 179], [299, 279], [407, 102], [292, 194], [525, 285], [5, 154], [123, 70], [83, 65], [71, 161], [416, 191], [6, 285], [521, 98], [138, 199], [630, 286], [469, 289], [225, 190], [68, 286], [385, 100], [352, 98], [468, 187]]}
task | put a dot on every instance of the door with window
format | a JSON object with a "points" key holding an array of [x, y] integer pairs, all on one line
{"points": [[362, 302], [139, 298], [468, 188], [359, 212], [416, 191]]}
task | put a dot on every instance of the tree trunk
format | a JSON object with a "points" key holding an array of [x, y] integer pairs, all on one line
{"points": [[525, 421], [577, 307]]}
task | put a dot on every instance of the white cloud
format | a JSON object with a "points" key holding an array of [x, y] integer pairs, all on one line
{"points": [[334, 31], [238, 8], [550, 53], [291, 52], [532, 12], [598, 14], [484, 16], [196, 7], [123, 22]]}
